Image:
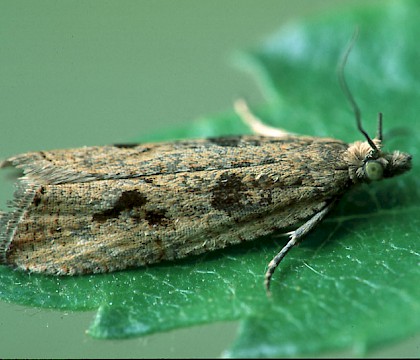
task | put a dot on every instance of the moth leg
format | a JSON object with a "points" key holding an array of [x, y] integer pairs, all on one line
{"points": [[255, 124], [295, 237]]}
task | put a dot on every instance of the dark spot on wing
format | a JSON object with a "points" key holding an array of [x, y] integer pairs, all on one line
{"points": [[228, 192], [156, 217], [38, 196], [230, 141], [126, 146], [42, 154], [127, 201], [234, 141]]}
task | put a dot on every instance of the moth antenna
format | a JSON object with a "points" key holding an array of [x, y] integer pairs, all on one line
{"points": [[347, 92], [379, 135]]}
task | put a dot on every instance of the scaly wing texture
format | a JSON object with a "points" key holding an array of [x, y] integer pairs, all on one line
{"points": [[131, 161], [111, 224]]}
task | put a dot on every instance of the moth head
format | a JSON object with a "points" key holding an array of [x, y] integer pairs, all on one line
{"points": [[366, 161], [368, 164]]}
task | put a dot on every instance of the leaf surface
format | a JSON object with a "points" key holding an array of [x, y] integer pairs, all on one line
{"points": [[353, 282]]}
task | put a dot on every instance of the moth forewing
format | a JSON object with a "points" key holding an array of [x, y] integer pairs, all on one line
{"points": [[246, 187]]}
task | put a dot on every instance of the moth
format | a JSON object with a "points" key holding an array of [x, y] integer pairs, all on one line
{"points": [[107, 208]]}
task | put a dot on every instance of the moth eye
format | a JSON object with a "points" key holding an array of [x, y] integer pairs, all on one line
{"points": [[374, 170]]}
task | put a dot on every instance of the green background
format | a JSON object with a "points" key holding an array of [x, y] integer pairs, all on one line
{"points": [[84, 73]]}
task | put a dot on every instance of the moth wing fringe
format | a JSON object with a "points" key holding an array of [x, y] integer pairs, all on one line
{"points": [[23, 196], [36, 168]]}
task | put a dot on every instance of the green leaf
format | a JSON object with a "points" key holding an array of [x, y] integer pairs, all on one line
{"points": [[353, 282]]}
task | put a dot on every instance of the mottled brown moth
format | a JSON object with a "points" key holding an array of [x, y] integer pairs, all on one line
{"points": [[107, 208]]}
